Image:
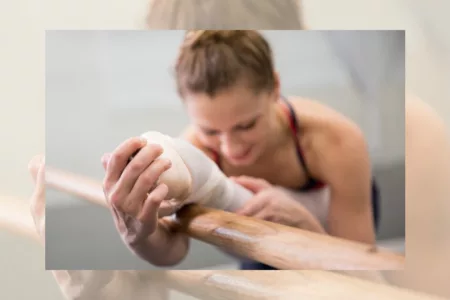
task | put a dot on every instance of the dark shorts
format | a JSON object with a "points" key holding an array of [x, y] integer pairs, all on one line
{"points": [[251, 265]]}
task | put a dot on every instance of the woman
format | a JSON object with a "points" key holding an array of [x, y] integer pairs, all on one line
{"points": [[241, 120], [422, 123]]}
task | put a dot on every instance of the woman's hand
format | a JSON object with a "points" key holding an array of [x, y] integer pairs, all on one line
{"points": [[134, 196], [36, 168], [130, 186], [271, 203], [73, 284]]}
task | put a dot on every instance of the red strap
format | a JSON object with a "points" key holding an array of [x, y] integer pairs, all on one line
{"points": [[291, 121], [216, 158]]}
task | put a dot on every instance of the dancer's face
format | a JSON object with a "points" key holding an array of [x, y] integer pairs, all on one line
{"points": [[236, 122]]}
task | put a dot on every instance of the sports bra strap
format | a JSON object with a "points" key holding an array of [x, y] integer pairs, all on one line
{"points": [[293, 122]]}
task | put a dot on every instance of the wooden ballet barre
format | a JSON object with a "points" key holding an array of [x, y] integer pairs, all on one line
{"points": [[15, 217], [280, 246], [284, 285]]}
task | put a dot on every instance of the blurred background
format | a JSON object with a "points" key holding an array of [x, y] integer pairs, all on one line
{"points": [[103, 87], [22, 94]]}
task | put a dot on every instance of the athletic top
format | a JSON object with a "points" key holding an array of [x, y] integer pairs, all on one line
{"points": [[311, 184]]}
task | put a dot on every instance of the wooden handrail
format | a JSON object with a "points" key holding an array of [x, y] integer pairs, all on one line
{"points": [[284, 285], [15, 217], [277, 245]]}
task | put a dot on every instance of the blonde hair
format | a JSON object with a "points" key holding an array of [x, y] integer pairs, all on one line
{"points": [[211, 61], [225, 14]]}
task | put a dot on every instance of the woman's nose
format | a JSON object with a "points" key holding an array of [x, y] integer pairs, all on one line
{"points": [[229, 145]]}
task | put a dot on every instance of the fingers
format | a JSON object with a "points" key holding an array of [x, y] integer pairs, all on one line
{"points": [[119, 159], [37, 205], [146, 181], [34, 165], [253, 184], [144, 162], [263, 214], [149, 212], [40, 175], [105, 159], [253, 206], [168, 207]]}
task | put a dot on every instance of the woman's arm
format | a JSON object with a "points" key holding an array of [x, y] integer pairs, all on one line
{"points": [[345, 166], [337, 153], [85, 284]]}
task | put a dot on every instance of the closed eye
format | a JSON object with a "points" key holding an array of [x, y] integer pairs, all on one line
{"points": [[247, 126], [241, 127], [210, 132]]}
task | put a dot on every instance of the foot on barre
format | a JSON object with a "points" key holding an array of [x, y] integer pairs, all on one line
{"points": [[163, 175]]}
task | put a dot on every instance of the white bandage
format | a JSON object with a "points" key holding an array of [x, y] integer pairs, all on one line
{"points": [[178, 177], [195, 178]]}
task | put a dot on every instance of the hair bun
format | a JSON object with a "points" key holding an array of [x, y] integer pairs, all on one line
{"points": [[201, 38]]}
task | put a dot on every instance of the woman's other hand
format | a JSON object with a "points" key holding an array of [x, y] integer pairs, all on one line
{"points": [[271, 203]]}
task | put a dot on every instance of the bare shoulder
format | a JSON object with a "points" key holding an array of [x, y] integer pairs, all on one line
{"points": [[421, 116], [306, 104], [423, 128], [329, 140], [190, 134], [324, 121]]}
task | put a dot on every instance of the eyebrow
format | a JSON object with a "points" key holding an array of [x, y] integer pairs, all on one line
{"points": [[244, 123]]}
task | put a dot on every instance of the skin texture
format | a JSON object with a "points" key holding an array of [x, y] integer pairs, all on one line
{"points": [[335, 150], [427, 173]]}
